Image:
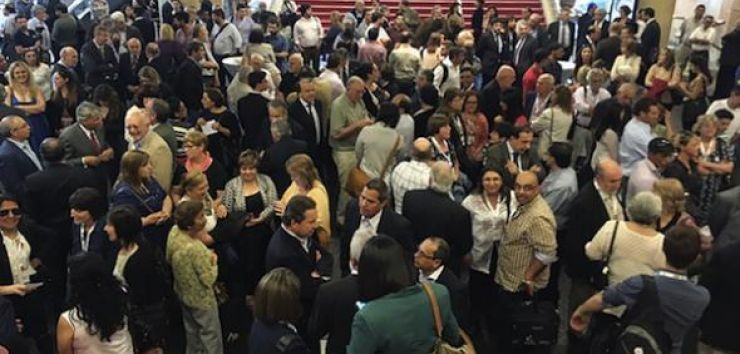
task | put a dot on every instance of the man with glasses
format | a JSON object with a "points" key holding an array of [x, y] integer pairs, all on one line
{"points": [[525, 253], [17, 159]]}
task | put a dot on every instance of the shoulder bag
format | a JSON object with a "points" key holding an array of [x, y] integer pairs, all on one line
{"points": [[357, 178], [601, 280], [440, 346]]}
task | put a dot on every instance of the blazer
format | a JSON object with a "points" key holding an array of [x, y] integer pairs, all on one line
{"points": [[145, 276], [37, 238], [285, 251], [391, 224], [586, 216], [446, 219], [459, 297], [167, 133], [160, 156], [526, 56], [497, 156], [720, 324], [146, 28], [254, 118], [490, 101], [99, 67], [303, 124], [98, 243], [275, 338], [128, 72], [335, 307], [48, 191], [189, 84], [608, 49], [488, 51], [553, 31], [529, 103], [77, 144], [725, 204], [273, 161], [15, 166], [650, 42]]}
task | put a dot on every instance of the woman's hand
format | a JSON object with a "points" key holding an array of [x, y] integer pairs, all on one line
{"points": [[221, 211], [14, 289], [278, 207]]}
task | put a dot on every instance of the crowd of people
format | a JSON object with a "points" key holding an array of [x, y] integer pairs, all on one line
{"points": [[390, 184]]}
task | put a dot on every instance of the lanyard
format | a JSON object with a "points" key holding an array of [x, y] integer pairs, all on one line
{"points": [[672, 275]]}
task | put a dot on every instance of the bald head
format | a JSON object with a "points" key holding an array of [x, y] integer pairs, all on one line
{"points": [[422, 150], [52, 150], [137, 123], [69, 57], [11, 127], [505, 77], [608, 175], [526, 187]]}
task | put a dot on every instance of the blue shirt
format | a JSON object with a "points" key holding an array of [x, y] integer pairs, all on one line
{"points": [[681, 301], [559, 189], [633, 146], [279, 44]]}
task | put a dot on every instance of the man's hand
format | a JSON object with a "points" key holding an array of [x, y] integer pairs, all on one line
{"points": [[363, 123], [106, 155], [91, 161], [17, 289], [512, 168], [579, 322], [536, 169]]}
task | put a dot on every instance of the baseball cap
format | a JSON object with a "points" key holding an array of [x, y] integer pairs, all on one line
{"points": [[660, 146]]}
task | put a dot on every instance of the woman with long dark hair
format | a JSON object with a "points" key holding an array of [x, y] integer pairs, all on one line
{"points": [[394, 315], [96, 323], [64, 100], [106, 97], [695, 90]]}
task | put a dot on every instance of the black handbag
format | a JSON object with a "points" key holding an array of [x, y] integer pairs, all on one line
{"points": [[601, 280], [534, 325]]}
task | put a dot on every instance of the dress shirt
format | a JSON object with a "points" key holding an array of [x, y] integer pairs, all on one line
{"points": [[227, 42], [26, 148], [643, 177], [611, 203], [245, 27], [19, 257], [488, 227], [564, 34], [431, 277], [633, 146], [539, 106], [514, 156], [308, 32], [302, 240], [453, 77], [407, 176], [370, 224], [559, 189], [585, 99], [702, 34], [85, 237]]}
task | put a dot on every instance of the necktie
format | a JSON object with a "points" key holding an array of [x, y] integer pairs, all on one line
{"points": [[515, 158], [32, 156], [519, 46], [94, 142], [316, 123], [134, 61], [499, 43], [561, 38]]}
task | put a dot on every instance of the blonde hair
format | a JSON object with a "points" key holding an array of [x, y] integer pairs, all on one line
{"points": [[197, 138], [166, 33], [703, 120], [302, 166], [192, 180], [671, 193], [14, 84]]}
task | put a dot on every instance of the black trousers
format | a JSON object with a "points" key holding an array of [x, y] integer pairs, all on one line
{"points": [[311, 58]]}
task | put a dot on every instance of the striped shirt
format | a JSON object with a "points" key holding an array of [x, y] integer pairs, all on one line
{"points": [[529, 234]]}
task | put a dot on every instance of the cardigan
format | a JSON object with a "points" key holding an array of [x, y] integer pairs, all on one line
{"points": [[233, 199]]}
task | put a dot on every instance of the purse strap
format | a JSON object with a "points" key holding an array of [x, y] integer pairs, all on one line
{"points": [[435, 308], [390, 156], [611, 244]]}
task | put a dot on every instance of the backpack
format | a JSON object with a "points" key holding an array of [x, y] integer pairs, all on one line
{"points": [[445, 74], [643, 328]]}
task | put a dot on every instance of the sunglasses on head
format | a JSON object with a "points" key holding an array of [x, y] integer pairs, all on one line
{"points": [[14, 211]]}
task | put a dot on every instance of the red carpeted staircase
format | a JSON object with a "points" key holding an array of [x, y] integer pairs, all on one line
{"points": [[323, 8]]}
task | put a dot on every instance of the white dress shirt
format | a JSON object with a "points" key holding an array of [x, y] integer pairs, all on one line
{"points": [[228, 42], [702, 34], [431, 277], [308, 32]]}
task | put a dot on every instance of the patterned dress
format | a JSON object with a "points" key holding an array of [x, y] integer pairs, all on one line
{"points": [[713, 182]]}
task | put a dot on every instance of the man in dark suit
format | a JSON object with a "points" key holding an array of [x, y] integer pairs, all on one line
{"points": [[562, 31], [293, 247], [725, 205], [371, 213], [99, 61], [17, 159], [128, 69], [84, 143], [492, 92], [87, 207], [189, 80], [492, 49], [600, 23], [650, 39], [434, 213], [145, 25], [253, 113], [595, 204], [69, 60], [514, 155], [284, 146], [336, 304], [524, 50], [584, 22], [538, 100], [609, 48], [430, 259]]}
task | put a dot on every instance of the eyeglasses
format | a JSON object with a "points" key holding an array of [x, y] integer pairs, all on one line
{"points": [[7, 212]]}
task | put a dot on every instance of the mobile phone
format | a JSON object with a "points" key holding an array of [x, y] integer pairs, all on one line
{"points": [[33, 286]]}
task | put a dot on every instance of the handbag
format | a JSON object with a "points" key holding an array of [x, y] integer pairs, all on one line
{"points": [[534, 324], [357, 178], [440, 346], [601, 280]]}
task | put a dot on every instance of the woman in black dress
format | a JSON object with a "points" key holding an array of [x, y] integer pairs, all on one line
{"points": [[222, 128]]}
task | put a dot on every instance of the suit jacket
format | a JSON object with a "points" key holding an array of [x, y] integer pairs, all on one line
{"points": [[526, 56], [391, 224], [37, 237], [720, 324], [607, 50], [445, 219], [458, 297], [335, 307], [604, 28], [99, 67], [303, 124], [490, 101], [128, 72], [15, 166], [273, 161], [48, 191], [146, 28], [529, 103], [98, 243], [77, 144], [498, 155], [725, 204], [587, 215], [167, 133], [553, 31], [489, 54], [285, 251], [6, 110], [189, 84], [650, 41], [160, 156], [253, 115]]}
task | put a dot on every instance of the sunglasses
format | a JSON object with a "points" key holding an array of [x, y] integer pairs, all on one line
{"points": [[14, 211]]}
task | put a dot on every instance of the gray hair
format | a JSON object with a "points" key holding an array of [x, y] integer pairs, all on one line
{"points": [[280, 128], [359, 239], [644, 208], [7, 124], [38, 8], [355, 80], [442, 177], [87, 110]]}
